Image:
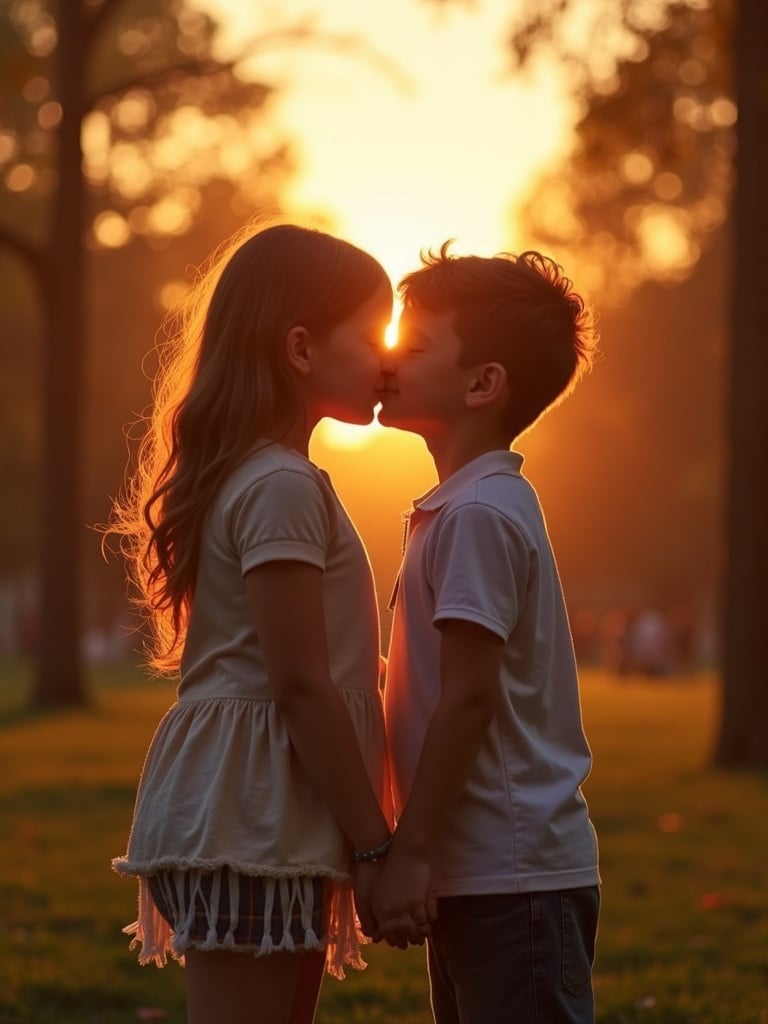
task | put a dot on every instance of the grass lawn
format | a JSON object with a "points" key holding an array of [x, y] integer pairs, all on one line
{"points": [[684, 928]]}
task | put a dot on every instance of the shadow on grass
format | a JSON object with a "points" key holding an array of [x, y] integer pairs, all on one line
{"points": [[45, 1003], [24, 714], [78, 798], [17, 705]]}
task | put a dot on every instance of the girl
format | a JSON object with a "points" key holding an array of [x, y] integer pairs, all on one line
{"points": [[270, 769]]}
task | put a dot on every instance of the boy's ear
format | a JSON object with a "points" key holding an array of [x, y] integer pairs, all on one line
{"points": [[297, 349], [487, 385]]}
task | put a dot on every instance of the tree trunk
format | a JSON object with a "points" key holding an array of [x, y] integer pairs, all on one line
{"points": [[60, 674], [743, 738]]}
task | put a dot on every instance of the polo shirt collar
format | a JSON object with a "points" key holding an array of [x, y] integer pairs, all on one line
{"points": [[488, 464]]}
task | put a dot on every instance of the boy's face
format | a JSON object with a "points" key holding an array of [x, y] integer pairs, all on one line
{"points": [[424, 390]]}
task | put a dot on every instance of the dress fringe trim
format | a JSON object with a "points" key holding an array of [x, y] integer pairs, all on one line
{"points": [[159, 940]]}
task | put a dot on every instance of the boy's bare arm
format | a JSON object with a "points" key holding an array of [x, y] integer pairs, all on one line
{"points": [[470, 657]]}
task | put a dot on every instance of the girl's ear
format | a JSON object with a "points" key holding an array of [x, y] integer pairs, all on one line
{"points": [[487, 385], [297, 350]]}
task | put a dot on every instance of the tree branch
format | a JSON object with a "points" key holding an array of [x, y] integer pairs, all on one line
{"points": [[99, 16], [350, 45], [301, 35], [153, 79], [34, 256]]}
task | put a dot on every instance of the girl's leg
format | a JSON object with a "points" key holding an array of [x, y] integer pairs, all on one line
{"points": [[238, 988], [311, 971]]}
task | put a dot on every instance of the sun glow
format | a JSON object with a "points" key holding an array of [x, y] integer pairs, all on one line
{"points": [[430, 140], [390, 333], [345, 436]]}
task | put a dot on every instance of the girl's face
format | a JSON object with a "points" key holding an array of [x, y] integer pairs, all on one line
{"points": [[346, 366]]}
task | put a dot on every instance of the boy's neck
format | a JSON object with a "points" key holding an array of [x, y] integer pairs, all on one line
{"points": [[451, 451]]}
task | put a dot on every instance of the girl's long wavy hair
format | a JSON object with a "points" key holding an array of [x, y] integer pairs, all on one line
{"points": [[223, 382]]}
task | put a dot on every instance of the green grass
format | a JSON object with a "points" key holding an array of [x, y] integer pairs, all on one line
{"points": [[684, 929]]}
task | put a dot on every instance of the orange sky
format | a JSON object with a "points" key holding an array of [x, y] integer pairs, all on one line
{"points": [[417, 135], [441, 146]]}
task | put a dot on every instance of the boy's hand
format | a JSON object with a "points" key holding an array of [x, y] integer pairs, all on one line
{"points": [[402, 902]]}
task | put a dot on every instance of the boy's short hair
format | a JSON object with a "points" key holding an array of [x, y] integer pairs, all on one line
{"points": [[519, 311]]}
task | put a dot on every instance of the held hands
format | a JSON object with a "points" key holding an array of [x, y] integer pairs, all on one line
{"points": [[393, 899], [403, 904]]}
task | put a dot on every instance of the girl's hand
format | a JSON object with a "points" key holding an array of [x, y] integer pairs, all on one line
{"points": [[365, 876], [403, 903]]}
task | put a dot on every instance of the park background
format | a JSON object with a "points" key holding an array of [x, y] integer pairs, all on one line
{"points": [[135, 135]]}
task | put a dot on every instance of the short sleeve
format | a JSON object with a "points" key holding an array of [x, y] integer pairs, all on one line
{"points": [[282, 517], [480, 569]]}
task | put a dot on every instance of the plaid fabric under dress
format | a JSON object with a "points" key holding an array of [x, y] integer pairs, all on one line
{"points": [[224, 909]]}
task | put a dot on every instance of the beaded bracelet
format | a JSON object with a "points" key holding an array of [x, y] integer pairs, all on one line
{"points": [[369, 856]]}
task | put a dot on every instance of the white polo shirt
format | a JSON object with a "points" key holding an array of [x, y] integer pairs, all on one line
{"points": [[478, 550]]}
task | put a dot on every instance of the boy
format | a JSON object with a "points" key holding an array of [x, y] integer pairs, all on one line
{"points": [[481, 699]]}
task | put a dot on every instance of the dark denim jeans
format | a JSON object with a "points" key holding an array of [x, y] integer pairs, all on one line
{"points": [[514, 958]]}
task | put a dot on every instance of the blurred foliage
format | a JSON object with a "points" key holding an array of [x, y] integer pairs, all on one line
{"points": [[163, 118], [648, 179], [633, 207], [648, 176], [638, 202], [170, 132]]}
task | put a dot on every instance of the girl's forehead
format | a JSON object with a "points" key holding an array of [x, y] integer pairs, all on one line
{"points": [[380, 303]]}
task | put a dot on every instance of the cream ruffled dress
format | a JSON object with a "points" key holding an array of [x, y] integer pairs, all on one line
{"points": [[221, 783]]}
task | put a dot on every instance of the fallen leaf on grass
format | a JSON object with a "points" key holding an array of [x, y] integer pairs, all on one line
{"points": [[28, 830], [670, 821], [710, 901], [645, 1003], [150, 1013]]}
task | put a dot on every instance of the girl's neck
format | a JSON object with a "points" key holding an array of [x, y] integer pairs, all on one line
{"points": [[296, 436]]}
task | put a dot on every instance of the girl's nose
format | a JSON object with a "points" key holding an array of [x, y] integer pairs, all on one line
{"points": [[389, 362]]}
